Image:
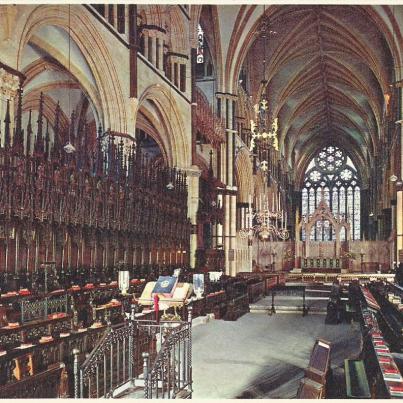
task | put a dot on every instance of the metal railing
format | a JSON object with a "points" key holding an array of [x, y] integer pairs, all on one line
{"points": [[40, 309], [170, 376], [109, 365], [289, 291], [134, 353]]}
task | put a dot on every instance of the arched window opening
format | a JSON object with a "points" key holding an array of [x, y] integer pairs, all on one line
{"points": [[332, 175]]}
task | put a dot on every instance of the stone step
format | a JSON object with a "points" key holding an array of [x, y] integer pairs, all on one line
{"points": [[288, 309], [131, 393]]}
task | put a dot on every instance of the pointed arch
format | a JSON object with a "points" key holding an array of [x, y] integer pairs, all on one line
{"points": [[173, 138], [85, 35]]}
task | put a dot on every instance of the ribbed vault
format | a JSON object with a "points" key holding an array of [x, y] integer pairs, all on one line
{"points": [[329, 71]]}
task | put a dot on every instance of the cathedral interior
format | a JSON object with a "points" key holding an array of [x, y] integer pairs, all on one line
{"points": [[201, 201]]}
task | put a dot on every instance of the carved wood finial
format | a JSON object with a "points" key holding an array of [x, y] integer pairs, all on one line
{"points": [[39, 146], [29, 132], [7, 122], [18, 144]]}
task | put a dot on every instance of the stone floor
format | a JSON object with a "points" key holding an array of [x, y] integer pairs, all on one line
{"points": [[261, 356]]}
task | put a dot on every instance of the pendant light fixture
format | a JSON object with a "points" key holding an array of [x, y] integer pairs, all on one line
{"points": [[263, 128], [69, 148]]}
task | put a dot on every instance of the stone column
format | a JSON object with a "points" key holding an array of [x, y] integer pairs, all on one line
{"points": [[9, 84], [399, 224], [152, 49], [107, 12], [145, 41], [227, 218], [227, 176], [233, 243], [127, 17], [242, 210], [115, 16], [399, 190], [193, 175], [161, 52], [219, 229], [338, 241]]}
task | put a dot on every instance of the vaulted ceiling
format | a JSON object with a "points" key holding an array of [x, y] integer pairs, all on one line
{"points": [[330, 71]]}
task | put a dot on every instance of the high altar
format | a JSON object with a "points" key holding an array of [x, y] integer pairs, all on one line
{"points": [[331, 256]]}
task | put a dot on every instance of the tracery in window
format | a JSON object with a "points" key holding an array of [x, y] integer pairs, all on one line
{"points": [[331, 173]]}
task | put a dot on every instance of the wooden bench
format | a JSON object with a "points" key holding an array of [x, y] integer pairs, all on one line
{"points": [[50, 383], [237, 307], [357, 386], [256, 291]]}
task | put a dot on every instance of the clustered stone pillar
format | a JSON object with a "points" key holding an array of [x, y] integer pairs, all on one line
{"points": [[178, 65], [399, 194], [153, 49], [193, 175], [227, 111], [9, 84]]}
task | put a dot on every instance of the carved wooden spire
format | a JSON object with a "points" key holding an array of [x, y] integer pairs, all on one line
{"points": [[7, 122], [99, 153], [39, 146], [57, 143], [47, 140], [29, 132], [18, 144]]}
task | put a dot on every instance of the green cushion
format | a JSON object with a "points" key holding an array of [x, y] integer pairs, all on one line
{"points": [[356, 379]]}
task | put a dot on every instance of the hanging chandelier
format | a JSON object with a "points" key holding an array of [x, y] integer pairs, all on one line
{"points": [[266, 222], [263, 127], [264, 130]]}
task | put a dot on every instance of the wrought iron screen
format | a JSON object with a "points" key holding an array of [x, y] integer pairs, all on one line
{"points": [[40, 309]]}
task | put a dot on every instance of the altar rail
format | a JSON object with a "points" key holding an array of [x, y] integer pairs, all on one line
{"points": [[330, 277], [288, 290]]}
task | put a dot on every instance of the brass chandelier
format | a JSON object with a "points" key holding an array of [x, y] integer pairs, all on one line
{"points": [[263, 127], [266, 227], [267, 221]]}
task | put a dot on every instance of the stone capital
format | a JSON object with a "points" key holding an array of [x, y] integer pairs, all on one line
{"points": [[226, 95], [193, 171], [9, 84]]}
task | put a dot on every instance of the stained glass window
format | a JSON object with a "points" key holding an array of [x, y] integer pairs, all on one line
{"points": [[332, 175]]}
